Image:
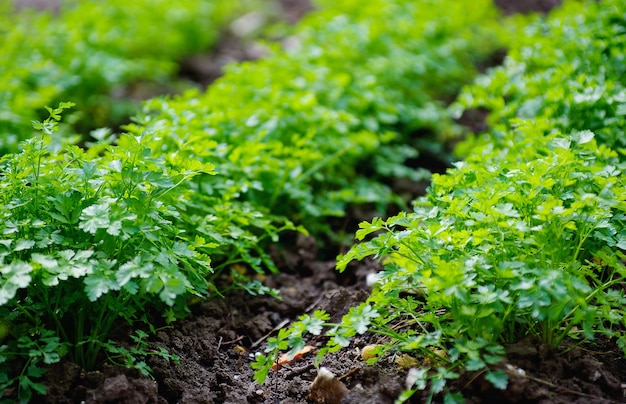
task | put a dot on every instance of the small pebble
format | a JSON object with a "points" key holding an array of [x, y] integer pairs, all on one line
{"points": [[326, 388]]}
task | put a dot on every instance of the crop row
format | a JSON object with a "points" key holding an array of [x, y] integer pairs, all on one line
{"points": [[309, 130], [525, 238], [88, 52], [101, 238]]}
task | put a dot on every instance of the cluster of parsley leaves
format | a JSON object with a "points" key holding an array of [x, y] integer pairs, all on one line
{"points": [[98, 239], [92, 53], [525, 237]]}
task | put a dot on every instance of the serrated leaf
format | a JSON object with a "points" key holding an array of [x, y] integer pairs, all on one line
{"points": [[27, 384], [438, 384], [83, 255], [51, 357], [50, 265], [97, 285], [66, 104], [7, 292], [133, 269], [114, 228], [498, 378], [173, 288], [17, 273], [583, 137], [35, 371], [561, 143], [116, 165], [94, 217], [23, 244], [474, 364], [260, 375], [314, 325], [453, 398], [341, 341], [492, 359]]}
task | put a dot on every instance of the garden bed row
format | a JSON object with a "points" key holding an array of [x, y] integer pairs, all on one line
{"points": [[98, 56], [524, 239], [98, 240]]}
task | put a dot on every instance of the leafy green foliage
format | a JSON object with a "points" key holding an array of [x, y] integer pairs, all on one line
{"points": [[288, 338], [525, 237], [566, 69], [91, 50], [133, 357], [41, 348], [297, 132], [507, 243], [139, 224], [516, 241], [88, 241], [95, 239]]}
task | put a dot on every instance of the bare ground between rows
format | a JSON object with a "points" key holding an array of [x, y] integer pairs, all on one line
{"points": [[216, 341]]}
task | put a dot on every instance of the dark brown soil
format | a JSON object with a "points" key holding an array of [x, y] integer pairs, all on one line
{"points": [[216, 345], [217, 342]]}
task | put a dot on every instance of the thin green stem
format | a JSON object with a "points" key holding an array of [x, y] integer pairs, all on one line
{"points": [[37, 170], [79, 354], [53, 313]]}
